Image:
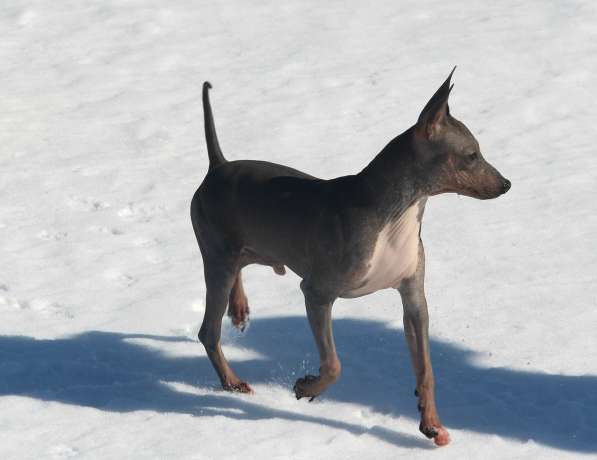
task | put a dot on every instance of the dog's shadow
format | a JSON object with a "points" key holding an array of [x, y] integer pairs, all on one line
{"points": [[120, 372]]}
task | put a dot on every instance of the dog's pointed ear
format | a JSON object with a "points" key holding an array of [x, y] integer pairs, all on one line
{"points": [[436, 111]]}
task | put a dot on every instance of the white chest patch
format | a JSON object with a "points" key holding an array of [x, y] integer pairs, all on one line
{"points": [[395, 255]]}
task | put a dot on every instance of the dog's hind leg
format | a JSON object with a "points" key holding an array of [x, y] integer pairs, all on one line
{"points": [[319, 312], [219, 279], [238, 305]]}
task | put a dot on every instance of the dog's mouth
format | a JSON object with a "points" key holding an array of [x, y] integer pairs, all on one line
{"points": [[480, 194]]}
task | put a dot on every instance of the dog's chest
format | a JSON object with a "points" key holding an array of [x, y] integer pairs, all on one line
{"points": [[394, 256]]}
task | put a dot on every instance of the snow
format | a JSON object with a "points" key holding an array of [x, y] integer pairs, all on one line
{"points": [[101, 286]]}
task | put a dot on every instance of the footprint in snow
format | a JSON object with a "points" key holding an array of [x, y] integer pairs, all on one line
{"points": [[79, 203], [50, 235], [106, 230], [145, 242], [154, 259], [43, 307], [135, 212], [63, 451], [8, 303], [48, 308], [119, 277], [27, 18]]}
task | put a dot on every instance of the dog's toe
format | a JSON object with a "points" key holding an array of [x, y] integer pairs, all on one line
{"points": [[428, 431], [442, 438], [439, 434], [302, 387], [239, 316], [239, 387]]}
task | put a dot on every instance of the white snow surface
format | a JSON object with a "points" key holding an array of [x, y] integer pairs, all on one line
{"points": [[101, 281]]}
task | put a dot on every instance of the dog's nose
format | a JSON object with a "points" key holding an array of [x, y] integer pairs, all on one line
{"points": [[507, 184]]}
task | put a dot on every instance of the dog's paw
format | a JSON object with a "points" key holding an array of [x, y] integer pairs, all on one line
{"points": [[439, 434], [239, 314], [305, 387], [238, 387], [240, 324]]}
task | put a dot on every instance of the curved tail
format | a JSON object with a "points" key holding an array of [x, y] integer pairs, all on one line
{"points": [[211, 138]]}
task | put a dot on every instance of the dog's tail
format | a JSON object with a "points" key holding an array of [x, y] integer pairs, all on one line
{"points": [[211, 138]]}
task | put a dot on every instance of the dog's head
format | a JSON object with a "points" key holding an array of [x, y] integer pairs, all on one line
{"points": [[447, 150]]}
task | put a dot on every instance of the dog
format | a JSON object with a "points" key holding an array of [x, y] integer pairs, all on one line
{"points": [[345, 237]]}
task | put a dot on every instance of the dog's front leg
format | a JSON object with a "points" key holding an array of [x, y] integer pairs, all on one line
{"points": [[416, 330], [319, 312]]}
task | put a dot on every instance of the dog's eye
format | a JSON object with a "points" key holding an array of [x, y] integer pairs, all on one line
{"points": [[471, 158]]}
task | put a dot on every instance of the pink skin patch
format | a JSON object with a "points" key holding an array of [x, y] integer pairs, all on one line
{"points": [[442, 438]]}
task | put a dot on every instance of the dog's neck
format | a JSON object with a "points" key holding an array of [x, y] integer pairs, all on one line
{"points": [[393, 179]]}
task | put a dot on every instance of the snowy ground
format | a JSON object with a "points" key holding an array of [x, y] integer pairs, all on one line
{"points": [[101, 287]]}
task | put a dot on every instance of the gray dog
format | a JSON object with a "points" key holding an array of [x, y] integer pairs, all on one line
{"points": [[345, 237]]}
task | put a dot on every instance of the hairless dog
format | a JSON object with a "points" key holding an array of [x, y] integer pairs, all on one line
{"points": [[345, 237]]}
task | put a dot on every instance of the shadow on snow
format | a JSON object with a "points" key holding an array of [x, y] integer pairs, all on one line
{"points": [[116, 372]]}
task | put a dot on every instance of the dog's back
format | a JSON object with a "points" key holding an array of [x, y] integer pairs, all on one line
{"points": [[234, 208]]}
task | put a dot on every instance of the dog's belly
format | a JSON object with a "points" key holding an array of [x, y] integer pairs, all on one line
{"points": [[394, 257]]}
